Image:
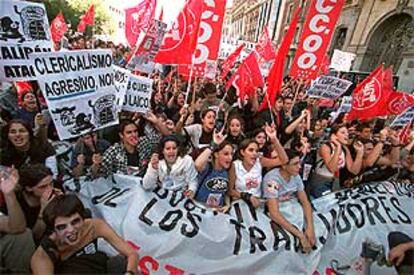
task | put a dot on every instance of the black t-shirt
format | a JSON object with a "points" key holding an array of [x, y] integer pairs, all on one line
{"points": [[133, 159], [206, 138]]}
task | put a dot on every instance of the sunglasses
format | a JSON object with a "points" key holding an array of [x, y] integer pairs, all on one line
{"points": [[74, 222]]}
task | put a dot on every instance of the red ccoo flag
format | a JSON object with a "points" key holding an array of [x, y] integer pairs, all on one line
{"points": [[138, 18], [88, 19], [276, 72], [161, 16], [180, 41], [264, 46], [229, 62], [58, 27], [398, 102], [369, 98]]}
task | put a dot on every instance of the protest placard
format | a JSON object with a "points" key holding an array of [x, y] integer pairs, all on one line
{"points": [[328, 87], [138, 94], [144, 55], [24, 29], [121, 80], [342, 61], [346, 104], [79, 89], [404, 118], [177, 233], [210, 70]]}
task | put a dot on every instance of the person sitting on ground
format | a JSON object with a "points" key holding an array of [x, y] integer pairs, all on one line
{"points": [[16, 242], [72, 245], [284, 184], [171, 168]]}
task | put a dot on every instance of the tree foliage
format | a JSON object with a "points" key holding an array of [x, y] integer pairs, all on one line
{"points": [[74, 9]]}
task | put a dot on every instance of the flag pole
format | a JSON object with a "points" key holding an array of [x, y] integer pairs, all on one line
{"points": [[189, 83], [270, 109]]}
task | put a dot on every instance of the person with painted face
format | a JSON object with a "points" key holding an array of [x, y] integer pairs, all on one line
{"points": [[72, 245], [20, 146], [282, 185], [333, 159], [129, 157], [213, 175], [245, 176], [171, 169]]}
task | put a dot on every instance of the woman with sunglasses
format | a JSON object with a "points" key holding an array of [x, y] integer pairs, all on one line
{"points": [[72, 245]]}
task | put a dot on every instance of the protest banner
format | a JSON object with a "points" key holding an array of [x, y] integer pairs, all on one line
{"points": [[121, 80], [138, 94], [172, 232], [342, 61], [24, 29], [143, 58], [79, 89], [346, 104], [404, 118], [328, 87]]}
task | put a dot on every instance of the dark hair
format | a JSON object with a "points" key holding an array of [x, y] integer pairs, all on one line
{"points": [[239, 118], [291, 153], [173, 138], [208, 89], [62, 206], [221, 147], [124, 123], [362, 126], [243, 145], [6, 130], [32, 174], [335, 128], [205, 112]]}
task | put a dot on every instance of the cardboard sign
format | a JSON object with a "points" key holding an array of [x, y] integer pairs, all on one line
{"points": [[342, 61], [404, 118], [138, 94], [24, 30], [328, 87], [79, 89]]}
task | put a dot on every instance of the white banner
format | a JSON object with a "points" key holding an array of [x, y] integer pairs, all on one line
{"points": [[138, 94], [144, 55], [404, 118], [24, 29], [328, 87], [342, 61], [79, 89], [172, 233]]}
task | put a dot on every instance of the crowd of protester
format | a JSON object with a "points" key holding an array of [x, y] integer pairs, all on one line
{"points": [[206, 144]]}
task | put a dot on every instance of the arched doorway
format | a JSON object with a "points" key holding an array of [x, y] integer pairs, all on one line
{"points": [[388, 42]]}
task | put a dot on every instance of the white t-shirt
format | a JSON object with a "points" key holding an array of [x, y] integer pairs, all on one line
{"points": [[249, 181]]}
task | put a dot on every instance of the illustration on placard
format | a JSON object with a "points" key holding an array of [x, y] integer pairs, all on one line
{"points": [[32, 18], [104, 110], [76, 124], [9, 29]]}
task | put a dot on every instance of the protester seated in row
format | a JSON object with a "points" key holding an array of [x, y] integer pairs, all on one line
{"points": [[171, 168], [284, 184], [129, 157], [72, 245], [88, 150], [16, 241], [213, 179], [245, 176], [21, 146]]}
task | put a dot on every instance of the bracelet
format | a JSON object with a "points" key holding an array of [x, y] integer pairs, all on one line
{"points": [[245, 196]]}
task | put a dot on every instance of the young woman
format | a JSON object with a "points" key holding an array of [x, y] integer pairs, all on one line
{"points": [[235, 131], [171, 169], [332, 159], [284, 184], [213, 175], [245, 176], [73, 247], [21, 146]]}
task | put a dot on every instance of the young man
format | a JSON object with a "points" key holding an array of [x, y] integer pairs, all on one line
{"points": [[129, 157], [283, 184], [16, 244], [72, 246]]}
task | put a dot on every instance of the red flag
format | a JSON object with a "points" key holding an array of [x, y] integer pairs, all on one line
{"points": [[58, 27], [229, 62], [316, 36], [369, 98], [138, 18], [398, 102], [160, 17], [405, 133], [264, 47], [275, 78], [180, 42], [87, 19], [247, 77]]}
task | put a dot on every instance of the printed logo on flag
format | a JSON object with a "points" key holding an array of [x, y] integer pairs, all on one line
{"points": [[398, 105], [369, 96]]}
